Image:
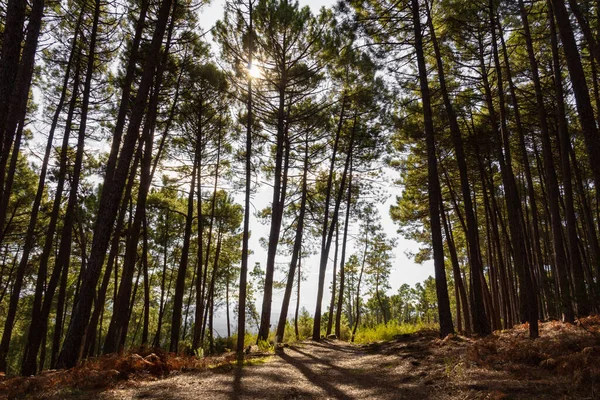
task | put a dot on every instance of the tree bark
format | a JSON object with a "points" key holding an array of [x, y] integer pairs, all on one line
{"points": [[108, 204], [481, 324], [296, 252], [241, 331], [445, 316]]}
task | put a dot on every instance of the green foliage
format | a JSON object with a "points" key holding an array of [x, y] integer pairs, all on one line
{"points": [[383, 332], [305, 324], [265, 346]]}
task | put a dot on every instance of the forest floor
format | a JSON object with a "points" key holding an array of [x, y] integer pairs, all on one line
{"points": [[564, 363]]}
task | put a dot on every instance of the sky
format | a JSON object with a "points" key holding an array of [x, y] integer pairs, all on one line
{"points": [[404, 269]]}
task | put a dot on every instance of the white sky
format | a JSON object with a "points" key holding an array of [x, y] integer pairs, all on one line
{"points": [[404, 270]]}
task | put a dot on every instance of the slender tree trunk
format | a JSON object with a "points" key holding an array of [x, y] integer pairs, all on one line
{"points": [[17, 104], [334, 220], [112, 259], [124, 103], [146, 284], [458, 282], [445, 316], [580, 88], [183, 263], [334, 281], [189, 300], [536, 253], [199, 312], [362, 270], [340, 300], [296, 331], [592, 42], [117, 330], [211, 292], [241, 331], [35, 210], [108, 204], [277, 205], [296, 252], [480, 320], [17, 108], [528, 301], [28, 366], [12, 39], [581, 298], [161, 309], [227, 304]]}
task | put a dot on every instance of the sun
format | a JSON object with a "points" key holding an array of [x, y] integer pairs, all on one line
{"points": [[254, 71]]}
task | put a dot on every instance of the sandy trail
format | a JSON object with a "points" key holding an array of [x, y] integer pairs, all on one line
{"points": [[405, 369]]}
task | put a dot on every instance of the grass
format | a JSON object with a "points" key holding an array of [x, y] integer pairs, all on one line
{"points": [[387, 332]]}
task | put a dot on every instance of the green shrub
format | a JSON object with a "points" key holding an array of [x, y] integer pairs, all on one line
{"points": [[383, 332], [265, 346]]}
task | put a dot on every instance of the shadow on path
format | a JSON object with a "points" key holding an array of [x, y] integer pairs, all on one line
{"points": [[312, 376]]}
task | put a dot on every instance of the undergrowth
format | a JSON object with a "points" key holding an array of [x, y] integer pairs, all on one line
{"points": [[389, 331]]}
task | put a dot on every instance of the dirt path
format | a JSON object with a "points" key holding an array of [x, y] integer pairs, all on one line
{"points": [[404, 369]]}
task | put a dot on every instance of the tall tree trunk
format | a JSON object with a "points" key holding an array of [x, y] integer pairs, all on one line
{"points": [[553, 189], [124, 103], [296, 252], [183, 263], [146, 284], [277, 205], [528, 300], [580, 88], [63, 258], [12, 40], [211, 292], [296, 331], [117, 330], [445, 315], [161, 308], [90, 337], [334, 281], [111, 193], [340, 299], [360, 276], [480, 320], [581, 299], [17, 108], [17, 104], [199, 312], [41, 278], [535, 248], [334, 220], [592, 42], [241, 331], [461, 293]]}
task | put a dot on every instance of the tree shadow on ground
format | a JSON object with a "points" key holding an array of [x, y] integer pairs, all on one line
{"points": [[403, 369]]}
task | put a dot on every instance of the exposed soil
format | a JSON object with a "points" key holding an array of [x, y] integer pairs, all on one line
{"points": [[412, 367], [563, 364]]}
